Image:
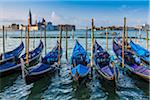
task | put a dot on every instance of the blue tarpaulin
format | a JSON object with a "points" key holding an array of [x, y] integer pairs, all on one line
{"points": [[81, 69]]}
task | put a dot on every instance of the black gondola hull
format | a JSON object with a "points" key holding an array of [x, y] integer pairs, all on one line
{"points": [[104, 80], [33, 78], [17, 68], [136, 77], [81, 80]]}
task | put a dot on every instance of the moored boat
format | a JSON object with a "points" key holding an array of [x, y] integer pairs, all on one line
{"points": [[46, 67], [132, 63], [141, 52], [79, 60], [105, 65], [7, 67], [12, 55]]}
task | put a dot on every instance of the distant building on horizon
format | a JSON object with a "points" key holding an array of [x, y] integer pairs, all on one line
{"points": [[50, 26], [14, 26], [32, 27], [67, 27], [40, 25], [146, 26]]}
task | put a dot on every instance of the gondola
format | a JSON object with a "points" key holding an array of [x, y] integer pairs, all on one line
{"points": [[34, 55], [11, 55], [141, 52], [46, 67], [132, 64], [8, 68], [79, 60], [105, 65]]}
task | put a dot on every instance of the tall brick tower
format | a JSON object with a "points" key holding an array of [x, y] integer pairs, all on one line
{"points": [[30, 18]]}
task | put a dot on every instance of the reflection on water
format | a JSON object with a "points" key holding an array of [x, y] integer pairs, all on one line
{"points": [[4, 83], [38, 88], [61, 85]]}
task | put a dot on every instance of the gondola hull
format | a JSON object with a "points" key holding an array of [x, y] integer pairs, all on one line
{"points": [[137, 75], [109, 80], [7, 72], [13, 67], [46, 67], [145, 61], [107, 84], [9, 56], [80, 73], [130, 63], [104, 68], [79, 60], [35, 77], [81, 80], [17, 68]]}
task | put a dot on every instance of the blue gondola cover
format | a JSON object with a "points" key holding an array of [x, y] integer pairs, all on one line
{"points": [[81, 69], [78, 51], [140, 51]]}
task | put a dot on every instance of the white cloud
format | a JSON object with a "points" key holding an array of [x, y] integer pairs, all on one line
{"points": [[61, 19], [56, 19]]}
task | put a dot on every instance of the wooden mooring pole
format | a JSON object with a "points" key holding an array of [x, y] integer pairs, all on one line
{"points": [[147, 39], [6, 33], [41, 35], [126, 40], [92, 55], [3, 41], [123, 40], [45, 39], [27, 45], [59, 51], [34, 39], [66, 44], [21, 34], [106, 39], [73, 34], [86, 40]]}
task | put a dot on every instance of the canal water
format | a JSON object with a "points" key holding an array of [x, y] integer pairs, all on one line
{"points": [[61, 86]]}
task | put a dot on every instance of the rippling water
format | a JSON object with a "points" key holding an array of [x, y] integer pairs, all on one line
{"points": [[61, 86]]}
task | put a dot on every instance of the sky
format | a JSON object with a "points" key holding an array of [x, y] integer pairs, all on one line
{"points": [[77, 12]]}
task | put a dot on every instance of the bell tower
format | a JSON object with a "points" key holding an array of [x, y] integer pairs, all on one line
{"points": [[30, 18]]}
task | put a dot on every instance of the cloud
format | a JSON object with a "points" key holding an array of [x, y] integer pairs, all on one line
{"points": [[83, 22], [57, 18], [123, 8]]}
